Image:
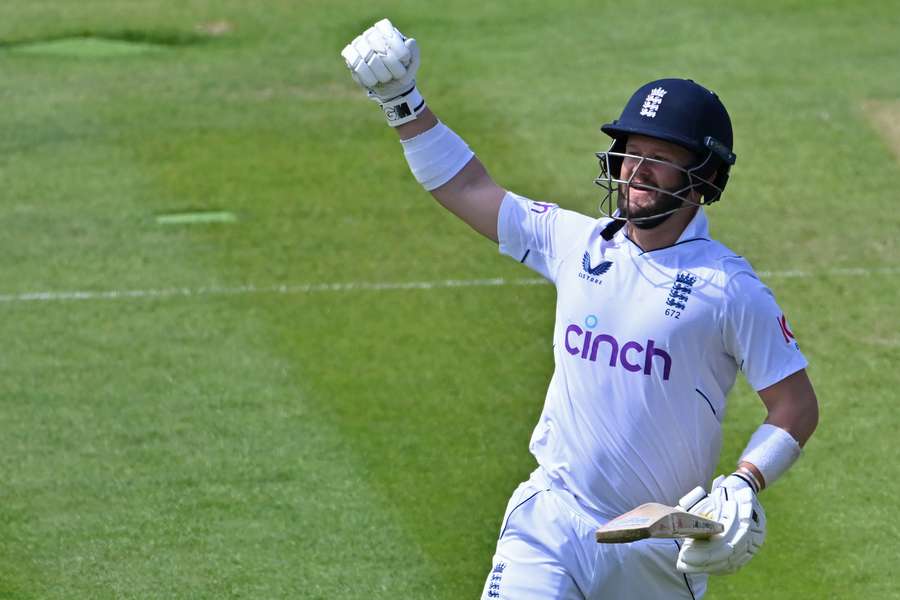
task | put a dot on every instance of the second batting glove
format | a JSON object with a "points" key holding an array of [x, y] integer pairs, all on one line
{"points": [[732, 502], [384, 62]]}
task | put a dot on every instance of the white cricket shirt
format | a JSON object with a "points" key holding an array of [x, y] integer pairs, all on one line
{"points": [[646, 347]]}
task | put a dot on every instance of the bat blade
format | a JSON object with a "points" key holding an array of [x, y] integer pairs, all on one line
{"points": [[658, 521]]}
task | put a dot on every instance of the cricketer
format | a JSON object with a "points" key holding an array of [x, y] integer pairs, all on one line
{"points": [[654, 319]]}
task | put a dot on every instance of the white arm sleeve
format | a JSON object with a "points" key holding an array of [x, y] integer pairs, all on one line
{"points": [[539, 234], [772, 450], [756, 332], [436, 156]]}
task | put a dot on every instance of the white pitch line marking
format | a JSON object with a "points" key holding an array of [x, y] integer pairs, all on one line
{"points": [[363, 286], [847, 272], [271, 289]]}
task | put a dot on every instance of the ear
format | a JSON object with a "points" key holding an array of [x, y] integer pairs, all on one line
{"points": [[702, 189]]}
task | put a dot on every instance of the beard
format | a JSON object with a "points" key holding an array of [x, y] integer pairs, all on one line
{"points": [[653, 213]]}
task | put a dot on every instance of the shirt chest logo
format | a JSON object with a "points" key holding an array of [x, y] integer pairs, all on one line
{"points": [[594, 346], [592, 274], [680, 294]]}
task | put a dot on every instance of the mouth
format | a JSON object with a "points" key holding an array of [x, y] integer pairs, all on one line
{"points": [[640, 194], [642, 186]]}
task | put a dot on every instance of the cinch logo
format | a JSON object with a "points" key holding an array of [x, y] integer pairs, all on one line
{"points": [[586, 344]]}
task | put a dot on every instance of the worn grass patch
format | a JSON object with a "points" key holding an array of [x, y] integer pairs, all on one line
{"points": [[885, 118], [86, 47]]}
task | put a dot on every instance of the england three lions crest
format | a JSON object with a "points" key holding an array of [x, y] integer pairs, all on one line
{"points": [[680, 293]]}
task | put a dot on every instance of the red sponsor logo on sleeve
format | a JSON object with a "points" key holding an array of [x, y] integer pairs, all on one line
{"points": [[785, 330]]}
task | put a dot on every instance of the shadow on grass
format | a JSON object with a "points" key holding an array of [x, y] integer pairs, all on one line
{"points": [[162, 38]]}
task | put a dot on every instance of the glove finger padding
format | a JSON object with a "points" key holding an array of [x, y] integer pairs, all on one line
{"points": [[413, 47], [359, 70], [733, 504], [698, 553], [394, 65], [372, 58], [393, 40], [692, 498]]}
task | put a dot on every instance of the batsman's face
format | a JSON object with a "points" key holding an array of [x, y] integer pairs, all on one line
{"points": [[659, 169]]}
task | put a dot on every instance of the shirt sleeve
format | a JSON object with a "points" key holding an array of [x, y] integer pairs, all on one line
{"points": [[756, 332], [539, 234]]}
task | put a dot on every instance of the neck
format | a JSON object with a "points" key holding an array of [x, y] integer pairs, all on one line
{"points": [[664, 234]]}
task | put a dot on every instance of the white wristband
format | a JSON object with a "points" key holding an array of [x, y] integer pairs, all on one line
{"points": [[772, 450], [436, 156], [403, 108]]}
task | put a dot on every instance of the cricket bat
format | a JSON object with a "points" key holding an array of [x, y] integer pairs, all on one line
{"points": [[658, 521]]}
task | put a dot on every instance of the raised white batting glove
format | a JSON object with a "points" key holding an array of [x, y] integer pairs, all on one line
{"points": [[384, 62], [733, 503]]}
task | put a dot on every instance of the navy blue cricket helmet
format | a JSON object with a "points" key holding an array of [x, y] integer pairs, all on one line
{"points": [[684, 113]]}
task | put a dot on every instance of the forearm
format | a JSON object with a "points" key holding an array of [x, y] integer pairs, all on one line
{"points": [[800, 416], [470, 193], [794, 410], [384, 62], [422, 123]]}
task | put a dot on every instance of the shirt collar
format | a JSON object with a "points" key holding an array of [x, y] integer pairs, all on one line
{"points": [[697, 228]]}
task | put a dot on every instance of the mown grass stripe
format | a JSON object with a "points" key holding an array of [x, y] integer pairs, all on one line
{"points": [[364, 286], [190, 218]]}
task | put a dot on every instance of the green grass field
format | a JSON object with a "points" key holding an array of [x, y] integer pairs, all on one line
{"points": [[213, 436]]}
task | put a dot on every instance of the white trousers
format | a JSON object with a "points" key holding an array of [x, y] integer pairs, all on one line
{"points": [[547, 550]]}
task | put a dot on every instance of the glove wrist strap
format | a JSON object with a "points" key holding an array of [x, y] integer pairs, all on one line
{"points": [[748, 476], [403, 108]]}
